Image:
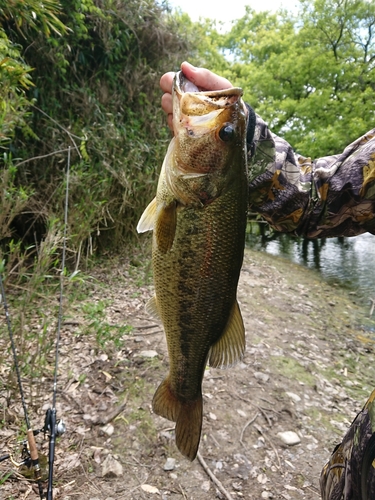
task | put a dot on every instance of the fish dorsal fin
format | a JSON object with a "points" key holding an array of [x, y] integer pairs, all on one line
{"points": [[231, 346], [165, 226], [147, 220], [152, 308]]}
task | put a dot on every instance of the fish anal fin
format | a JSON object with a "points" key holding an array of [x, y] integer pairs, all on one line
{"points": [[152, 308], [229, 349], [165, 226], [189, 427], [147, 220], [187, 415]]}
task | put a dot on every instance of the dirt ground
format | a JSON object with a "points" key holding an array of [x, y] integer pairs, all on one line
{"points": [[308, 369]]}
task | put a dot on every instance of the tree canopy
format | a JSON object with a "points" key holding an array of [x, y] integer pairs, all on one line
{"points": [[310, 76]]}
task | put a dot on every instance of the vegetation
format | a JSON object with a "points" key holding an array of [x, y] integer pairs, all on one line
{"points": [[311, 77], [83, 76]]}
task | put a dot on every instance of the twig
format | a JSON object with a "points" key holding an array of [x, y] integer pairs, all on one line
{"points": [[151, 333], [42, 156], [62, 128], [259, 429], [213, 478], [146, 327], [263, 412], [215, 441], [372, 307], [29, 490], [182, 491], [246, 426], [112, 415], [259, 408]]}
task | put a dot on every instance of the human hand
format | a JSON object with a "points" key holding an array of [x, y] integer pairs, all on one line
{"points": [[203, 78]]}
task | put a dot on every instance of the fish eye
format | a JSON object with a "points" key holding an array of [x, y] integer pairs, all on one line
{"points": [[227, 132]]}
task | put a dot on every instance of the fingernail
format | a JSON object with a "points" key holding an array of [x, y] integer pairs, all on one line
{"points": [[191, 67]]}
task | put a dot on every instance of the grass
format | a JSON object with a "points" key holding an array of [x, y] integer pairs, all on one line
{"points": [[290, 368], [94, 314]]}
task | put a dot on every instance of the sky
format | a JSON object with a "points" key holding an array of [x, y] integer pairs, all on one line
{"points": [[228, 10]]}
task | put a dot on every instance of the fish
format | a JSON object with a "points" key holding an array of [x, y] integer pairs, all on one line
{"points": [[198, 219]]}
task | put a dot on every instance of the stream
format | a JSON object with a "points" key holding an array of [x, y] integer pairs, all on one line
{"points": [[348, 262]]}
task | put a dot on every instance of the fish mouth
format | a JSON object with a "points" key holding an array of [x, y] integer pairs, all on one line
{"points": [[182, 85], [199, 112]]}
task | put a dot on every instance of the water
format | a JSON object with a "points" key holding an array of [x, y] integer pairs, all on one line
{"points": [[349, 262]]}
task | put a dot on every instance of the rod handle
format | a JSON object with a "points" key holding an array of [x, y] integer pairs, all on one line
{"points": [[34, 454]]}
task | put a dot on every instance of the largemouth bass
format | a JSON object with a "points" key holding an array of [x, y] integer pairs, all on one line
{"points": [[198, 220]]}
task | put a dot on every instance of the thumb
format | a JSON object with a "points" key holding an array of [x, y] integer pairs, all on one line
{"points": [[204, 79]]}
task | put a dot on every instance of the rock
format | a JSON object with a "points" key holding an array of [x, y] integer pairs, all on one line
{"points": [[263, 377], [289, 437], [111, 467], [242, 413], [205, 486], [266, 494], [262, 478], [293, 396], [108, 429], [148, 354], [170, 464], [149, 489]]}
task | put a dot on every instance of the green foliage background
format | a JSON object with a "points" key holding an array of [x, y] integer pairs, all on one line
{"points": [[84, 75]]}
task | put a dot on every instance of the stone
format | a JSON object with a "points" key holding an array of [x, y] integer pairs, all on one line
{"points": [[170, 464], [289, 437], [111, 467], [293, 397], [148, 354], [148, 488], [263, 377], [108, 429]]}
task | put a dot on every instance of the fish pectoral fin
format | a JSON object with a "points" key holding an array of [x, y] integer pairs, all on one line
{"points": [[165, 226], [152, 308], [187, 415], [147, 220], [230, 347]]}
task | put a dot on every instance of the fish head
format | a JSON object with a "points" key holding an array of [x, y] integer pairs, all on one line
{"points": [[210, 137]]}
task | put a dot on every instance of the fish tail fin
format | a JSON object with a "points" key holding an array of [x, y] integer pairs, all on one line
{"points": [[187, 415], [188, 428]]}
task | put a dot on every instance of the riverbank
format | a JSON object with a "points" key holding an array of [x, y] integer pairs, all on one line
{"points": [[308, 369]]}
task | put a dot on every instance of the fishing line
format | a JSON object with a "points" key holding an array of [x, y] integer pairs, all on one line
{"points": [[50, 421], [30, 434]]}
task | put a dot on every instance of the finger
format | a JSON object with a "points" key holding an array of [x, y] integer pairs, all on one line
{"points": [[166, 82], [204, 78], [166, 103]]}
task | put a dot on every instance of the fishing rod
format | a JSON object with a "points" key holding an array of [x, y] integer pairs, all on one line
{"points": [[30, 454], [54, 428]]}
